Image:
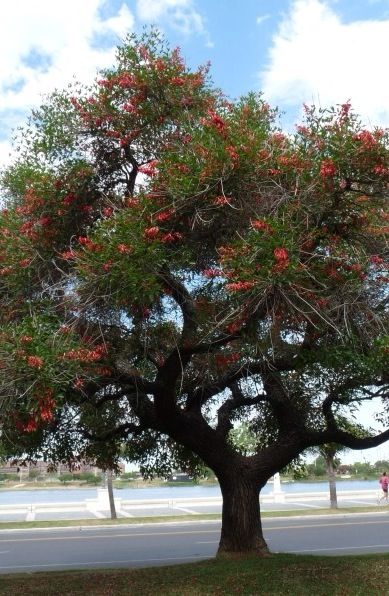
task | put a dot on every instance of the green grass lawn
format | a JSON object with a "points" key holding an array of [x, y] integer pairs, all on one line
{"points": [[291, 575]]}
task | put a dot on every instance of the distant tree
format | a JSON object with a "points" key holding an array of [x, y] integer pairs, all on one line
{"points": [[381, 465], [363, 468], [329, 451], [172, 263], [111, 497]]}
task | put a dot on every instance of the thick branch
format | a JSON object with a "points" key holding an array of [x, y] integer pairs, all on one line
{"points": [[184, 300], [201, 395], [238, 400], [347, 439]]}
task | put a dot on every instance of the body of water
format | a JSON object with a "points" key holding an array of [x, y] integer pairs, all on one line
{"points": [[59, 495]]}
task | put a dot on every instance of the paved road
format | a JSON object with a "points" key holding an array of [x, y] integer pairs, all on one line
{"points": [[167, 544]]}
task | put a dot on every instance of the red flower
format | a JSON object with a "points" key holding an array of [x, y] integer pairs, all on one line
{"points": [[124, 249], [380, 169], [31, 426], [281, 256], [366, 139], [164, 215], [240, 286], [232, 153], [131, 109], [149, 169], [177, 81], [376, 260], [35, 362], [107, 266], [89, 244], [84, 354], [215, 121], [327, 168], [151, 233], [126, 81], [107, 211], [171, 237], [262, 226], [44, 221], [5, 270], [69, 199]]}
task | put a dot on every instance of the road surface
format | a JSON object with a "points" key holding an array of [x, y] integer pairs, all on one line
{"points": [[172, 543]]}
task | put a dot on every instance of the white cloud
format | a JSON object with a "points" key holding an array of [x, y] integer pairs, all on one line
{"points": [[44, 44], [315, 57], [63, 32], [181, 14], [262, 18]]}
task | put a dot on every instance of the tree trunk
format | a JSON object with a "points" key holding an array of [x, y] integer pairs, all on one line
{"points": [[241, 521], [110, 495], [331, 481]]}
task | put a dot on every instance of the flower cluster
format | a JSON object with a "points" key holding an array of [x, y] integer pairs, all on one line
{"points": [[281, 257], [35, 361], [84, 354], [327, 168], [262, 226], [151, 233], [215, 121], [240, 286], [124, 249], [148, 169]]}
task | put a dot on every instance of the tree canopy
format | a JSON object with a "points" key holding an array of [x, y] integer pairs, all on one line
{"points": [[171, 262]]}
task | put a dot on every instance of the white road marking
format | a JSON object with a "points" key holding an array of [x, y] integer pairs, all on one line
{"points": [[307, 506], [116, 562], [360, 502], [318, 550], [98, 514]]}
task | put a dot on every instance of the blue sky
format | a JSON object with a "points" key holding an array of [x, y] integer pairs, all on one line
{"points": [[295, 51]]}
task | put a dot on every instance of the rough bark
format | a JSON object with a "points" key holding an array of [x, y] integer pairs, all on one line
{"points": [[110, 495], [241, 521], [331, 481]]}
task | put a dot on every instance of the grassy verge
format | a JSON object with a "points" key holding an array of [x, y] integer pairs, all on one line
{"points": [[68, 523], [294, 575]]}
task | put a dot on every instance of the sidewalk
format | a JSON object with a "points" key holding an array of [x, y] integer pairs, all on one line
{"points": [[99, 508]]}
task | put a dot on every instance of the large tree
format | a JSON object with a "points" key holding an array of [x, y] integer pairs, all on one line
{"points": [[171, 262]]}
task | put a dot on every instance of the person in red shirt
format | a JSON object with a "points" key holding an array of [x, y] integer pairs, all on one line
{"points": [[384, 482]]}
